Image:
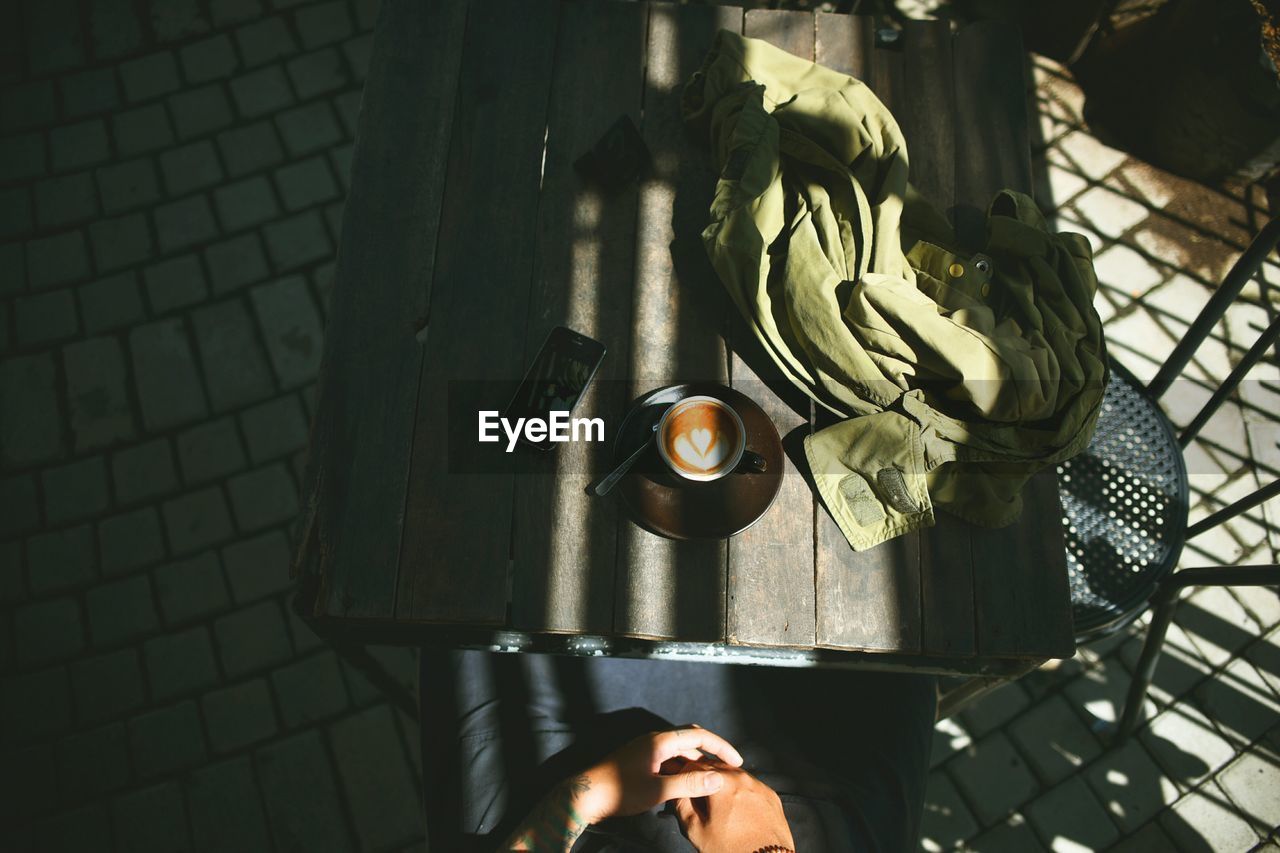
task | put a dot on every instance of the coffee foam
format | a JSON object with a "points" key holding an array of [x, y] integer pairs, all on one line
{"points": [[700, 437]]}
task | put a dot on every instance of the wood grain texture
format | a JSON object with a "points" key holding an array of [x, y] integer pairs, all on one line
{"points": [[946, 555], [1020, 579], [457, 544], [564, 541], [666, 588], [358, 469], [868, 600], [771, 580], [1021, 600], [992, 133]]}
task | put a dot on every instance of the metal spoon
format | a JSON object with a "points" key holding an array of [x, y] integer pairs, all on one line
{"points": [[603, 487]]}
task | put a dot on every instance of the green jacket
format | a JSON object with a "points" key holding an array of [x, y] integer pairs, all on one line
{"points": [[960, 374]]}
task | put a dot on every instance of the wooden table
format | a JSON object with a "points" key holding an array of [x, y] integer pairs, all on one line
{"points": [[471, 120]]}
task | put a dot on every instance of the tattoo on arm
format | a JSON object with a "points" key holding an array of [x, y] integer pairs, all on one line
{"points": [[554, 824]]}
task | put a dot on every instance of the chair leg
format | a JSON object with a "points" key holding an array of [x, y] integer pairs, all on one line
{"points": [[1165, 602]]}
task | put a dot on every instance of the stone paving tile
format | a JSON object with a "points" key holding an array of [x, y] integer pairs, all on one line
{"points": [[180, 663], [166, 739], [111, 303], [78, 829], [252, 638], [45, 318], [148, 76], [144, 471], [310, 689], [48, 630], [197, 520], [1130, 785], [75, 491], [250, 148], [1185, 744], [165, 372], [301, 797], [130, 540], [107, 685], [235, 367], [199, 111], [128, 185], [120, 242], [947, 820], [265, 40], [226, 808], [1252, 782], [151, 819], [60, 259], [121, 610], [1216, 623], [61, 559], [97, 396], [993, 777], [263, 497], [1054, 740], [995, 709], [31, 431], [236, 262], [376, 778], [210, 451], [33, 704], [142, 129], [65, 199], [18, 493], [94, 762], [1149, 839], [1205, 817], [1239, 702], [239, 715], [292, 328], [174, 283], [191, 588], [259, 566], [190, 167], [1069, 818], [1014, 835]]}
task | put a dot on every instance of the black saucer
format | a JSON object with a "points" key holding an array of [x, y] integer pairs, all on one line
{"points": [[672, 506]]}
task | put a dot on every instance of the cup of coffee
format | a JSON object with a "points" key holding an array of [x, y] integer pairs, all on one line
{"points": [[702, 438]]}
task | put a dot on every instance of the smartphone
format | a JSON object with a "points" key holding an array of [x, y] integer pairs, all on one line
{"points": [[557, 378]]}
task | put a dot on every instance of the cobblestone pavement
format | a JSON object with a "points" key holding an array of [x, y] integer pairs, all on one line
{"points": [[170, 195], [1024, 769], [171, 176]]}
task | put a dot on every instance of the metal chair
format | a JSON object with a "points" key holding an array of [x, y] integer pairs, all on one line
{"points": [[1125, 498]]}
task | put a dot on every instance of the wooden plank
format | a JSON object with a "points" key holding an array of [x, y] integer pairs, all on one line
{"points": [[1019, 573], [868, 600], [771, 581], [1020, 579], [666, 588], [946, 555], [992, 132], [359, 459], [458, 538], [565, 542]]}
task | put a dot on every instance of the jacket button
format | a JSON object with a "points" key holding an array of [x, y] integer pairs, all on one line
{"points": [[986, 288], [956, 270]]}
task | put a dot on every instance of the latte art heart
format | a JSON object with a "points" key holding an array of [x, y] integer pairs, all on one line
{"points": [[700, 449]]}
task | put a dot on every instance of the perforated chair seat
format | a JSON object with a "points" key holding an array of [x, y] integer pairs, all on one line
{"points": [[1124, 502]]}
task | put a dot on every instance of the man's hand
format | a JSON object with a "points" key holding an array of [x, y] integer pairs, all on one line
{"points": [[648, 771], [633, 779], [745, 814]]}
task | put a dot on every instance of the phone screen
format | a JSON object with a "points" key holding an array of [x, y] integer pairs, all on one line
{"points": [[558, 377]]}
